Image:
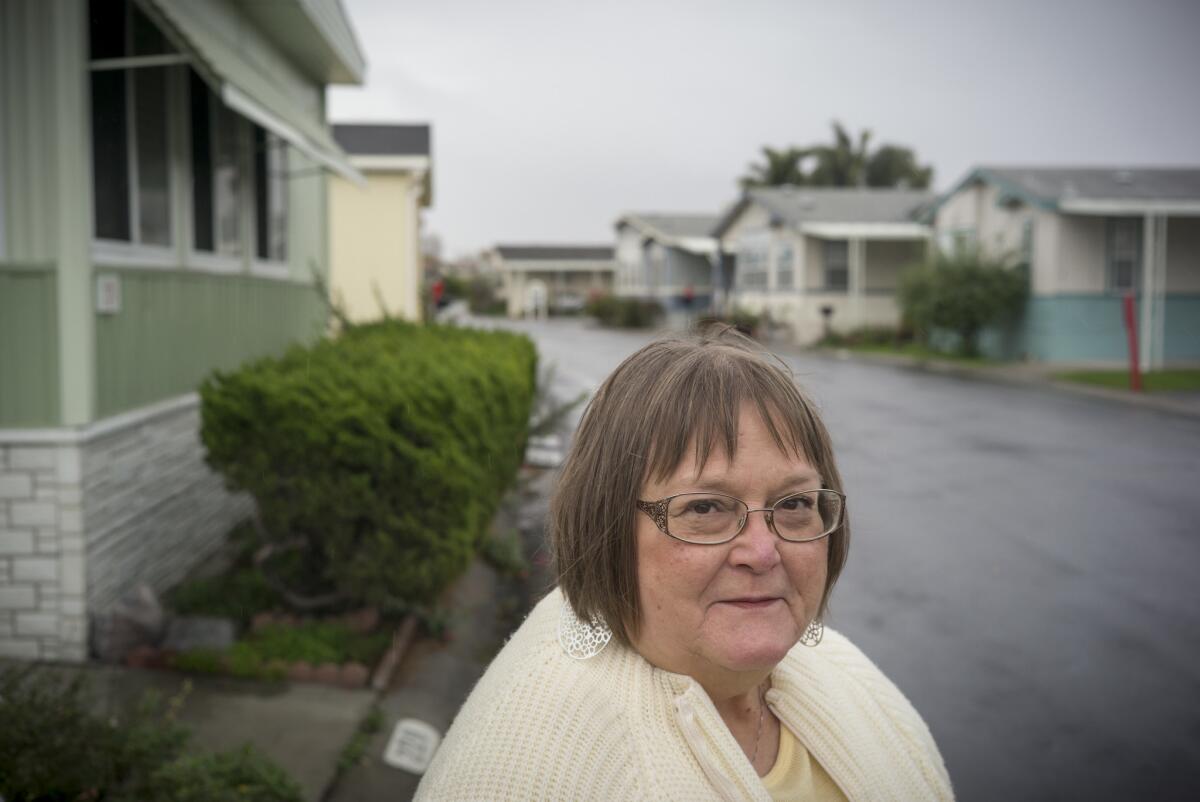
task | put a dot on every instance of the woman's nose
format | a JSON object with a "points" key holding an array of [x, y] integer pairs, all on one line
{"points": [[756, 546]]}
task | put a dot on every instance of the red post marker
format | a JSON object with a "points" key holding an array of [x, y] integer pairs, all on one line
{"points": [[1135, 375]]}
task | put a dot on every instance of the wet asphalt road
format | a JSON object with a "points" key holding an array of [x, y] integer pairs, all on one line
{"points": [[1025, 565]]}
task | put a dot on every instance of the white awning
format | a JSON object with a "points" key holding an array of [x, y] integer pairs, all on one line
{"points": [[247, 88], [876, 231]]}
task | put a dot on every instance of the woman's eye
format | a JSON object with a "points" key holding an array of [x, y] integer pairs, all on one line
{"points": [[795, 503], [701, 507]]}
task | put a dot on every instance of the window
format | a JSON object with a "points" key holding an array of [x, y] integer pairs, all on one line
{"points": [[1124, 253], [1026, 252], [270, 196], [216, 172], [837, 265], [130, 150], [783, 267], [751, 269]]}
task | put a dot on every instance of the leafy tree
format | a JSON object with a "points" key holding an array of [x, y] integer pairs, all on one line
{"points": [[895, 166], [963, 292], [846, 162]]}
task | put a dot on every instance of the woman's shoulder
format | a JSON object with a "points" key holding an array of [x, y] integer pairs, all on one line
{"points": [[535, 723], [836, 679]]}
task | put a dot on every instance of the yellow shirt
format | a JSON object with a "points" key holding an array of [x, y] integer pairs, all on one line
{"points": [[796, 777]]}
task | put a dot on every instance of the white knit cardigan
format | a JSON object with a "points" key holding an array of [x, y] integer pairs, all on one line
{"points": [[541, 725]]}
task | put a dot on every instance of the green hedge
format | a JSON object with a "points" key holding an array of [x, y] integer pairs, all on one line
{"points": [[383, 452]]}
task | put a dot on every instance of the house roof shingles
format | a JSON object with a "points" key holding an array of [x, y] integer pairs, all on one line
{"points": [[588, 253], [1109, 183], [674, 225], [383, 140], [796, 205]]}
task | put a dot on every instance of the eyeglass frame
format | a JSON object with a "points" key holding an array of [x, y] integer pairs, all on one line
{"points": [[657, 512]]}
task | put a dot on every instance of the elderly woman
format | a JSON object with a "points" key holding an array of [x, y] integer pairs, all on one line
{"points": [[699, 525]]}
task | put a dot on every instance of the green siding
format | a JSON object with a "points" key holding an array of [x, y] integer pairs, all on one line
{"points": [[28, 347], [174, 328]]}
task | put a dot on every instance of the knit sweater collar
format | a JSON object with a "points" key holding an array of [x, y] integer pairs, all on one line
{"points": [[813, 693]]}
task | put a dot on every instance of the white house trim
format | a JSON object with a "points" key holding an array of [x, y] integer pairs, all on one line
{"points": [[391, 164], [76, 435], [1118, 207]]}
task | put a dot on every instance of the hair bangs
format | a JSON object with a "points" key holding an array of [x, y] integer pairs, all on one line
{"points": [[695, 410]]}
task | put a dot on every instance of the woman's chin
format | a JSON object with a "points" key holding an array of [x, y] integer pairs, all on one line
{"points": [[752, 654]]}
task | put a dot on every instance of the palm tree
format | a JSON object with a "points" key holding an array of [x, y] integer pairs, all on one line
{"points": [[844, 163], [779, 168]]}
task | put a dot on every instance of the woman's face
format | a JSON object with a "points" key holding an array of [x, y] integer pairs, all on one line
{"points": [[742, 605]]}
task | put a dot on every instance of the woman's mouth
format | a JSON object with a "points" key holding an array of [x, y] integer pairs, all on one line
{"points": [[753, 603]]}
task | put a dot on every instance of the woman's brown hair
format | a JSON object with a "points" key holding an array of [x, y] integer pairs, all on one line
{"points": [[674, 394]]}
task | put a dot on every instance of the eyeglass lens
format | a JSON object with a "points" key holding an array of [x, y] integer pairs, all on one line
{"points": [[713, 518]]}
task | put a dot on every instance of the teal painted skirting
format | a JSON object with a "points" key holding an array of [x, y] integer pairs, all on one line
{"points": [[28, 346], [176, 327], [1183, 329], [1088, 328]]}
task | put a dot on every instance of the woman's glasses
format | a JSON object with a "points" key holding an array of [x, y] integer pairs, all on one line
{"points": [[710, 519]]}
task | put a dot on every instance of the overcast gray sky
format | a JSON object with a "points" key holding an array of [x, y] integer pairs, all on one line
{"points": [[551, 118]]}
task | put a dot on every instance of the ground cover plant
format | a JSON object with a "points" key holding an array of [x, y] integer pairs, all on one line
{"points": [[376, 459]]}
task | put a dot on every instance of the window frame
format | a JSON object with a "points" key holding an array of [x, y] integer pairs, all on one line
{"points": [[829, 246], [134, 252], [1110, 256], [757, 257], [785, 268], [270, 265]]}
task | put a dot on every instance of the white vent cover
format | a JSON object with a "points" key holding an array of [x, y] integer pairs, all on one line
{"points": [[411, 746]]}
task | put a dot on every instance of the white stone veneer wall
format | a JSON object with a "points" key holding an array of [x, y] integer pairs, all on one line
{"points": [[42, 607], [85, 514]]}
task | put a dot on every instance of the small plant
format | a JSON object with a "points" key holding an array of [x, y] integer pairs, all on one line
{"points": [[745, 321], [625, 313], [237, 594], [352, 753], [264, 653], [505, 553], [242, 775]]}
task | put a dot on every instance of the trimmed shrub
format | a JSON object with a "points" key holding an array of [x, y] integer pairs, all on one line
{"points": [[376, 459], [963, 293], [625, 313]]}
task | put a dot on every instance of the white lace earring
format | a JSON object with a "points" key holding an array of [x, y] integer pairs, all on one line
{"points": [[813, 632], [581, 639]]}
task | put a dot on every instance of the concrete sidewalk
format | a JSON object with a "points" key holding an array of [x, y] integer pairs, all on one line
{"points": [[435, 678], [1024, 373]]}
